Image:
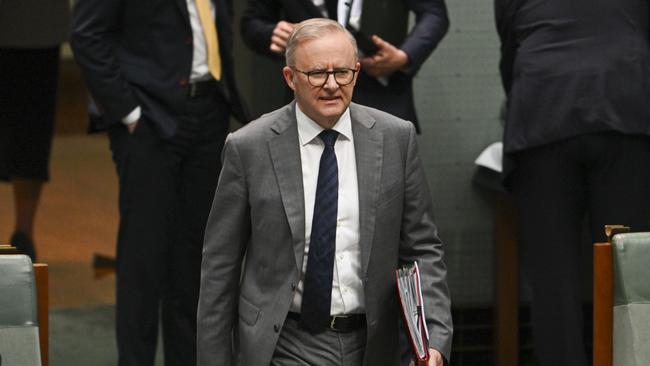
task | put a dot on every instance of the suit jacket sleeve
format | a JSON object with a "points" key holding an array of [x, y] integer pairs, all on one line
{"points": [[431, 24], [257, 24], [504, 16], [419, 241], [94, 29], [226, 235]]}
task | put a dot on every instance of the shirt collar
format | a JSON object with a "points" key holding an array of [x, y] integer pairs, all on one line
{"points": [[308, 129]]}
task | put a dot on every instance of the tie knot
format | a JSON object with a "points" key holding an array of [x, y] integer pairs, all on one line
{"points": [[328, 137]]}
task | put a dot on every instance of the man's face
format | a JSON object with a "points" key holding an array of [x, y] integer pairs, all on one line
{"points": [[324, 104]]}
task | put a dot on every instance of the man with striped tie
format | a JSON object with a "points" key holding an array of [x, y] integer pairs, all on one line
{"points": [[325, 199]]}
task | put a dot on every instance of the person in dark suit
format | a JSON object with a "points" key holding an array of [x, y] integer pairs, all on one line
{"points": [[325, 199], [577, 142], [161, 75], [385, 81]]}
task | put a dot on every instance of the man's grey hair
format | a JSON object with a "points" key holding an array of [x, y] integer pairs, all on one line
{"points": [[313, 29]]}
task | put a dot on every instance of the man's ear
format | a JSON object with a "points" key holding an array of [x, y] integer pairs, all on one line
{"points": [[287, 72], [356, 74]]}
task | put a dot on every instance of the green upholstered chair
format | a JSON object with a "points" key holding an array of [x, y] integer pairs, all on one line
{"points": [[19, 337], [631, 326]]}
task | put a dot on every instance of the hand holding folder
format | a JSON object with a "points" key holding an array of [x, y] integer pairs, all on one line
{"points": [[410, 296]]}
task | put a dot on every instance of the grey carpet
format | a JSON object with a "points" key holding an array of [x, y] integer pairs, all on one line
{"points": [[85, 337]]}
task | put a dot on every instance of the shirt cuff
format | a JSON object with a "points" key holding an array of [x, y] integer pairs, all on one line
{"points": [[132, 117]]}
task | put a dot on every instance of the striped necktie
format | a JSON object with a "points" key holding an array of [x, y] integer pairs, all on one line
{"points": [[317, 289]]}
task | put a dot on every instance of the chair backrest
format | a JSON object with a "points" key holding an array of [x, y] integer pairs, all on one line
{"points": [[631, 334], [19, 338]]}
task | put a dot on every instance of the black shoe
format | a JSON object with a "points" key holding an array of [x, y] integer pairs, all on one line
{"points": [[24, 245]]}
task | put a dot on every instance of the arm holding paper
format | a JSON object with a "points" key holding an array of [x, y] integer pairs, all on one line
{"points": [[419, 242]]}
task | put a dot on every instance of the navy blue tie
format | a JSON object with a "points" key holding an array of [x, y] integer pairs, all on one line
{"points": [[317, 287]]}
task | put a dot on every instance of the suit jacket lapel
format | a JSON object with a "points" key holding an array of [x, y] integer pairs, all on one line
{"points": [[368, 147], [285, 155], [182, 7]]}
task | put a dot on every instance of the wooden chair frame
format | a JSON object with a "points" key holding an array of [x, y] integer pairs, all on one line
{"points": [[603, 352]]}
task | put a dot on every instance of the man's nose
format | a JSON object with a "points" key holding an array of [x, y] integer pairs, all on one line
{"points": [[331, 83]]}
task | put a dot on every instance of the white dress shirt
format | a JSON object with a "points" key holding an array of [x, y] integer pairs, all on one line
{"points": [[355, 20], [342, 11], [347, 287], [200, 69]]}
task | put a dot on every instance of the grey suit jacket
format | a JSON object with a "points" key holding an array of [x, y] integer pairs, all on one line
{"points": [[258, 213]]}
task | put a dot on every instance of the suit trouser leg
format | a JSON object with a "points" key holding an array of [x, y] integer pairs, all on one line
{"points": [[620, 185], [166, 190], [550, 198], [199, 142], [146, 199], [555, 186]]}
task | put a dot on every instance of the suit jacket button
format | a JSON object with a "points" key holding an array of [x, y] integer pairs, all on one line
{"points": [[276, 327], [183, 82], [293, 287], [189, 40]]}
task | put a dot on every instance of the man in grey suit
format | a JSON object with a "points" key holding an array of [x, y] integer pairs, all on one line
{"points": [[324, 199]]}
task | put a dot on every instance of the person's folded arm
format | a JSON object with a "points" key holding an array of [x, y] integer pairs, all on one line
{"points": [[257, 23], [431, 25]]}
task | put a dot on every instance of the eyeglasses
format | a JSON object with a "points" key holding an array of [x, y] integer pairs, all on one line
{"points": [[318, 78]]}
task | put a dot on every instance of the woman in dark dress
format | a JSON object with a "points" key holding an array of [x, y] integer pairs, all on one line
{"points": [[31, 32]]}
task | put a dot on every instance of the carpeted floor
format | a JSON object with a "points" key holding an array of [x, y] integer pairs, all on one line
{"points": [[84, 336]]}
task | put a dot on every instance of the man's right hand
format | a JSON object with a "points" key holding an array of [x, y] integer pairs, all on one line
{"points": [[280, 36]]}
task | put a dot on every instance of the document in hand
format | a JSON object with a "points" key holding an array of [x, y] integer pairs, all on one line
{"points": [[410, 296]]}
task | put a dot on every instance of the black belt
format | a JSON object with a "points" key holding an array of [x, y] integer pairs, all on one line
{"points": [[203, 87], [340, 323]]}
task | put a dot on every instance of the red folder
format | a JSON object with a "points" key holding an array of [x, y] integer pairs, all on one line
{"points": [[410, 296]]}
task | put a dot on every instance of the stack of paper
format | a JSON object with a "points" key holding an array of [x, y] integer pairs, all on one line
{"points": [[410, 296]]}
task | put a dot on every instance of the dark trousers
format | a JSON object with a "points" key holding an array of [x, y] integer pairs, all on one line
{"points": [[166, 191], [605, 176]]}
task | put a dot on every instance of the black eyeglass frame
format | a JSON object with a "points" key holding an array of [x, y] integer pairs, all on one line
{"points": [[333, 73]]}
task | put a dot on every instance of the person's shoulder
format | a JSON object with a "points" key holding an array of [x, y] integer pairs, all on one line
{"points": [[382, 121]]}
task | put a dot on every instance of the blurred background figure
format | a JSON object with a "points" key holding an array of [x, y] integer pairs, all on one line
{"points": [[31, 32], [577, 142], [392, 54], [161, 74]]}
